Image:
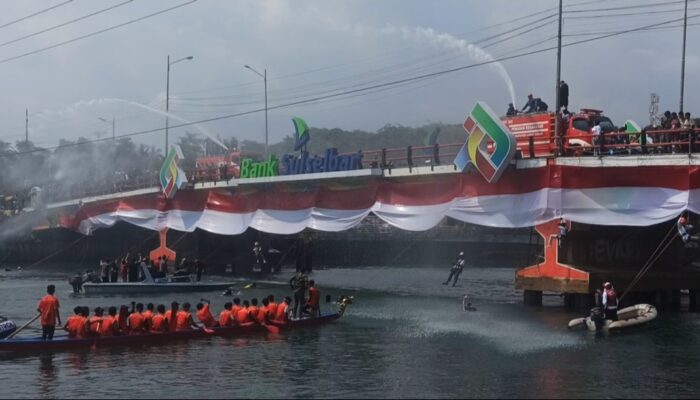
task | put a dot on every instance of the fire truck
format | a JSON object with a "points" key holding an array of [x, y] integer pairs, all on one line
{"points": [[221, 167], [535, 132]]}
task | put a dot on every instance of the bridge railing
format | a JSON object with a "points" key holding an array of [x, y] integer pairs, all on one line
{"points": [[645, 142]]}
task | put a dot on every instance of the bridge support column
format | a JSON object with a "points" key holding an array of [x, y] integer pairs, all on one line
{"points": [[548, 274], [676, 299], [162, 249], [532, 297]]}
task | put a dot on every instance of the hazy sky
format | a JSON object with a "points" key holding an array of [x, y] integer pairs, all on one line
{"points": [[317, 48]]}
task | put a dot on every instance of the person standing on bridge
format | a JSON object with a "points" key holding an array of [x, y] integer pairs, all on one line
{"points": [[456, 269]]}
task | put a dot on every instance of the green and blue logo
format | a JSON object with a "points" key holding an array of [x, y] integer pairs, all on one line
{"points": [[301, 136], [483, 127]]}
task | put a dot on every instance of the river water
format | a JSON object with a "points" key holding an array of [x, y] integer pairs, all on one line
{"points": [[405, 336]]}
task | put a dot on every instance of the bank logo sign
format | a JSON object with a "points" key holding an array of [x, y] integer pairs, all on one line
{"points": [[171, 176], [301, 134], [483, 128]]}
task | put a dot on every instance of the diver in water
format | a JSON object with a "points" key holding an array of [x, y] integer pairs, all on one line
{"points": [[456, 269], [466, 304]]}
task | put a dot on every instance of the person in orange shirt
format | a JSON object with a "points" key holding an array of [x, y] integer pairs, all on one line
{"points": [[171, 316], [281, 314], [261, 317], [136, 321], [94, 323], [204, 314], [253, 309], [48, 307], [235, 308], [313, 306], [76, 325], [158, 323], [110, 323], [123, 319], [225, 317], [148, 316], [271, 307], [184, 319], [243, 315]]}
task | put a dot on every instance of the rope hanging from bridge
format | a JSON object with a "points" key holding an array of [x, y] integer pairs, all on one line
{"points": [[660, 249]]}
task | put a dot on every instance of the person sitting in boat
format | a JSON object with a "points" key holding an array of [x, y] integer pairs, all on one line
{"points": [[253, 309], [76, 325], [282, 315], [158, 323], [313, 305], [261, 317], [184, 319], [136, 320], [123, 317], [225, 315], [456, 269], [171, 316], [235, 309], [609, 300], [271, 307], [110, 323], [148, 315], [204, 314], [243, 315], [685, 229], [94, 323]]}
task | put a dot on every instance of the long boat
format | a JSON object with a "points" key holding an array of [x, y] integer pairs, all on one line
{"points": [[27, 345]]}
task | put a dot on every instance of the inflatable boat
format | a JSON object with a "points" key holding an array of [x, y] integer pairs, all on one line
{"points": [[6, 327], [627, 317]]}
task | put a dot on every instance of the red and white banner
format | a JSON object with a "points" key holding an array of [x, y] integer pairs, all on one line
{"points": [[636, 196]]}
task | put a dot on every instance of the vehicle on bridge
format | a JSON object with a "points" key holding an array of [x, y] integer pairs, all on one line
{"points": [[221, 167]]}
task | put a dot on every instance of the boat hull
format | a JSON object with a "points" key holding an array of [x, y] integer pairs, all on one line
{"points": [[251, 328], [628, 317], [139, 287]]}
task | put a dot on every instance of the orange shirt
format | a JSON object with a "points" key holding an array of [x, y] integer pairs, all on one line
{"points": [[225, 318], [147, 318], [205, 316], [183, 320], [136, 322], [158, 323], [48, 307], [108, 323], [95, 323], [172, 320], [314, 297], [271, 310], [234, 311], [281, 314], [262, 314], [253, 311], [242, 316], [75, 325]]}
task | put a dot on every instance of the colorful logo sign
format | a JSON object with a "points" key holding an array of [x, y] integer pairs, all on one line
{"points": [[484, 127], [172, 177], [302, 133]]}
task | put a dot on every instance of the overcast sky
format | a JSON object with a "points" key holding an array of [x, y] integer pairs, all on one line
{"points": [[316, 48]]}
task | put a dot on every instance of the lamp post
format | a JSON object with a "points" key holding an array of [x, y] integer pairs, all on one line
{"points": [[167, 98], [104, 120], [264, 76]]}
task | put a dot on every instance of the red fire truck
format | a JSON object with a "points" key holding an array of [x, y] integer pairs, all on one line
{"points": [[535, 131]]}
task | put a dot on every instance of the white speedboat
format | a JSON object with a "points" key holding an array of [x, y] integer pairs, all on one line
{"points": [[154, 285], [627, 317]]}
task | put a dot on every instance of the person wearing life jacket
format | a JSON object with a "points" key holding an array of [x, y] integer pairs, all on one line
{"points": [[253, 309], [159, 324], [225, 317], [171, 316], [123, 319], [94, 323], [204, 314], [609, 301], [281, 314], [313, 305], [48, 307], [110, 323], [235, 308], [148, 316], [271, 307], [76, 325], [184, 319], [136, 320], [243, 315], [261, 316]]}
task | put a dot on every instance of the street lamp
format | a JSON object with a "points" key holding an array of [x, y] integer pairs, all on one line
{"points": [[112, 122], [167, 97], [264, 76]]}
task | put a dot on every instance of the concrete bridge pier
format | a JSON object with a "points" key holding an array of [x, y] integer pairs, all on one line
{"points": [[532, 297]]}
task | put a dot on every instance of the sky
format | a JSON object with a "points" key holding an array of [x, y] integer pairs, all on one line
{"points": [[320, 48]]}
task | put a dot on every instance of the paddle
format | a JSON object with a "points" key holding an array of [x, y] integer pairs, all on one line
{"points": [[271, 328], [22, 327], [248, 286]]}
